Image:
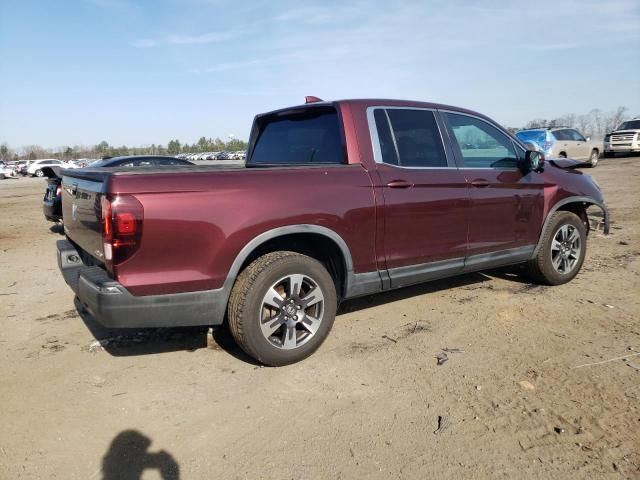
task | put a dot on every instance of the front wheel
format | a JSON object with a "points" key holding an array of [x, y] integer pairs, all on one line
{"points": [[39, 173], [594, 157], [562, 250], [282, 307]]}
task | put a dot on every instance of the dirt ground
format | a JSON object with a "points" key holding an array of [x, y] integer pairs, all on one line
{"points": [[527, 390]]}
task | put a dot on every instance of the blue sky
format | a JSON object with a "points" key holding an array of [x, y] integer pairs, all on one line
{"points": [[139, 72]]}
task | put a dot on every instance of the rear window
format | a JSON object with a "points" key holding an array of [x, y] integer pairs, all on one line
{"points": [[309, 136]]}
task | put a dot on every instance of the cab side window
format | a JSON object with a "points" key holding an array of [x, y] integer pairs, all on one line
{"points": [[409, 138], [561, 135], [576, 136], [480, 144]]}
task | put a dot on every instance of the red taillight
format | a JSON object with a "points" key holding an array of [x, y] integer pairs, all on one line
{"points": [[121, 228], [125, 223], [58, 191]]}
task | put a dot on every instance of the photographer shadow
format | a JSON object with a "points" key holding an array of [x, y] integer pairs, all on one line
{"points": [[128, 457]]}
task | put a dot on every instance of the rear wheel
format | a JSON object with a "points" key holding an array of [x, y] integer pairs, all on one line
{"points": [[562, 250], [282, 307], [39, 173], [562, 155], [595, 156]]}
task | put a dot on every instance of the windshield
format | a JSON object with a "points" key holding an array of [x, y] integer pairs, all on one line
{"points": [[630, 125], [533, 136], [310, 136]]}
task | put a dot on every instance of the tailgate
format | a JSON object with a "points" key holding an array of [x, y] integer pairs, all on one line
{"points": [[82, 212]]}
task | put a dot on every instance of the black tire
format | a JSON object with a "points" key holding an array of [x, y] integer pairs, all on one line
{"points": [[541, 268], [594, 157], [246, 310], [39, 173], [562, 155]]}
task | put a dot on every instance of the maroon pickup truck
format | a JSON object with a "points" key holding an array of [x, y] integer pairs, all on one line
{"points": [[335, 200]]}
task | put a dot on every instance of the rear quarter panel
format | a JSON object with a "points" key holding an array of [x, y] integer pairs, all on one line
{"points": [[195, 224]]}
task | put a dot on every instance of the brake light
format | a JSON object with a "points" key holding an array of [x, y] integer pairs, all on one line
{"points": [[58, 191], [121, 228]]}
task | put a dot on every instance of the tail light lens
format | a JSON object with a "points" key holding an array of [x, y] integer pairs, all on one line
{"points": [[58, 191], [121, 228]]}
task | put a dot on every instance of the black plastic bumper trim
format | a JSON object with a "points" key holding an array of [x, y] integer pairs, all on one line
{"points": [[114, 306]]}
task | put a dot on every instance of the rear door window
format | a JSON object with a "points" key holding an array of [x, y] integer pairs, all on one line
{"points": [[312, 135], [561, 135], [480, 144], [409, 138]]}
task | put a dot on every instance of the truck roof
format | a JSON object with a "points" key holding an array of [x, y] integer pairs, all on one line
{"points": [[372, 102]]}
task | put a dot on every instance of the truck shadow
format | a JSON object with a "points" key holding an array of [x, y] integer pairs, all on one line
{"points": [[121, 342], [125, 342]]}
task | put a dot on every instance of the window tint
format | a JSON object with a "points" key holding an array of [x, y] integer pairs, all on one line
{"points": [[561, 135], [410, 139], [481, 144], [311, 136], [387, 145], [574, 135]]}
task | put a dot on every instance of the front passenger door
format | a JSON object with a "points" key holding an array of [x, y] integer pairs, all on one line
{"points": [[506, 204]]}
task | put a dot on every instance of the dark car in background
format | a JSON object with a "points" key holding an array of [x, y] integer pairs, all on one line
{"points": [[52, 202]]}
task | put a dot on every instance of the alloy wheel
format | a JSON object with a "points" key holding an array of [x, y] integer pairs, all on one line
{"points": [[565, 249], [291, 312]]}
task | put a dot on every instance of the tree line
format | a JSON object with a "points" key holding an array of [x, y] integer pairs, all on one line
{"points": [[103, 149]]}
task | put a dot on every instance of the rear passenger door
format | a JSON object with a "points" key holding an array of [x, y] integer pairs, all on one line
{"points": [[580, 147], [425, 209], [506, 204], [565, 143]]}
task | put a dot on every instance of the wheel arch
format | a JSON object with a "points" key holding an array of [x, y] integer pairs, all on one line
{"points": [[318, 242], [577, 205]]}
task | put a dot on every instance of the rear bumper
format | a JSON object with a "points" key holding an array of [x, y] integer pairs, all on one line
{"points": [[113, 306], [52, 210]]}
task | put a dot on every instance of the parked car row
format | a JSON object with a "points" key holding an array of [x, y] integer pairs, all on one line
{"points": [[52, 202], [565, 142], [195, 157], [562, 142], [7, 171]]}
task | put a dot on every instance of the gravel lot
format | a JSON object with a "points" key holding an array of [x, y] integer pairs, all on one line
{"points": [[526, 390]]}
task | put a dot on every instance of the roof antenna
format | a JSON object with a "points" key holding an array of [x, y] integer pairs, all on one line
{"points": [[312, 99]]}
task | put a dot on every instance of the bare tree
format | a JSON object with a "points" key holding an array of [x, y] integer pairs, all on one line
{"points": [[616, 118], [582, 122], [597, 124]]}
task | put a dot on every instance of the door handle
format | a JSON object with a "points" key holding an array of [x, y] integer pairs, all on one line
{"points": [[480, 183], [398, 184]]}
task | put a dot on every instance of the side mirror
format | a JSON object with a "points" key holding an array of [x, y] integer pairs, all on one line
{"points": [[533, 161], [588, 139]]}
